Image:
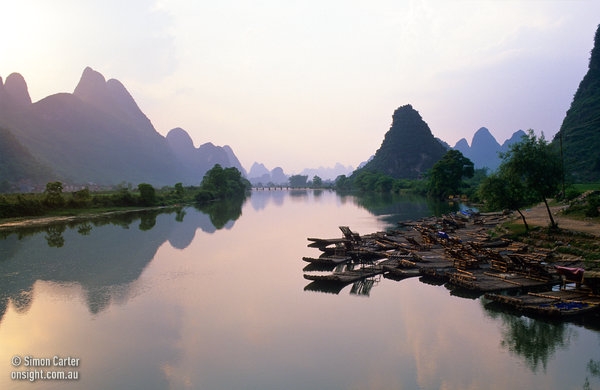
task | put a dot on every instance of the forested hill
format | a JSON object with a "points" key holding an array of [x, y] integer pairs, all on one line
{"points": [[580, 130], [18, 165], [97, 134], [409, 149]]}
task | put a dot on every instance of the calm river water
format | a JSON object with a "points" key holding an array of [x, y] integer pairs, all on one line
{"points": [[216, 299]]}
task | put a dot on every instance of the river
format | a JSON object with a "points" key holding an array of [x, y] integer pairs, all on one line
{"points": [[216, 299]]}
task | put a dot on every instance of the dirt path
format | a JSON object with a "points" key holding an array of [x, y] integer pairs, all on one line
{"points": [[538, 216]]}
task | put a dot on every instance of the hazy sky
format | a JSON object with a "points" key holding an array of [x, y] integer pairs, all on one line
{"points": [[313, 82]]}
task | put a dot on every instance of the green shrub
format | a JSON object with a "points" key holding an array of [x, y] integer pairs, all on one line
{"points": [[204, 196]]}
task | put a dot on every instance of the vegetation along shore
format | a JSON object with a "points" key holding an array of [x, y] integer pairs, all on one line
{"points": [[56, 205]]}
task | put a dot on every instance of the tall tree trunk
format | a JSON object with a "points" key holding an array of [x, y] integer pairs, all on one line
{"points": [[523, 218], [553, 224]]}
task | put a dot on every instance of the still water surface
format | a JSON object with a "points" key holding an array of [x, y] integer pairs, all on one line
{"points": [[217, 300]]}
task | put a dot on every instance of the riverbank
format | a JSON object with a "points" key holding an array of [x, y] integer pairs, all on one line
{"points": [[29, 222]]}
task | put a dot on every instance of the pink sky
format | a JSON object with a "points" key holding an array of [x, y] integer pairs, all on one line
{"points": [[312, 83]]}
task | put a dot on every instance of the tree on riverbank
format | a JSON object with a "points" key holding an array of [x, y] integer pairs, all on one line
{"points": [[446, 176], [530, 172], [147, 194], [501, 191], [54, 198], [219, 183]]}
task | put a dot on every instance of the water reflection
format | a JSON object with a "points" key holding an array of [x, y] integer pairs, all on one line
{"points": [[533, 340], [393, 208], [98, 254], [224, 213], [54, 236], [221, 309], [84, 229], [537, 342], [147, 221], [262, 198], [219, 215], [299, 194], [363, 287], [593, 368]]}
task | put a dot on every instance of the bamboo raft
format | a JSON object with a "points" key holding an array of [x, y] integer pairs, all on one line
{"points": [[349, 276], [425, 250], [493, 281], [453, 249], [553, 304]]}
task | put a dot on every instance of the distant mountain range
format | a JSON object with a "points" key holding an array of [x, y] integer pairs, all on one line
{"points": [[484, 150], [97, 135], [260, 175], [409, 148]]}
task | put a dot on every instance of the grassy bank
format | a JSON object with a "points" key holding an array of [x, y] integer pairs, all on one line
{"points": [[84, 202]]}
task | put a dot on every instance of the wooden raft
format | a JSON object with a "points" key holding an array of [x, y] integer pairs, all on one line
{"points": [[562, 303]]}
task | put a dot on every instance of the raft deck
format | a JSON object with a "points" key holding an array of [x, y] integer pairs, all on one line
{"points": [[561, 303], [353, 275], [453, 248], [487, 280]]}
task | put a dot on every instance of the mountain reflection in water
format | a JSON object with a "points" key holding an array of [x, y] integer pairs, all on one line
{"points": [[106, 264], [215, 298]]}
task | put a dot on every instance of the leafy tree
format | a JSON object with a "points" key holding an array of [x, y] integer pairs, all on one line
{"points": [[369, 181], [537, 165], [214, 180], [343, 183], [81, 197], [219, 183], [204, 196], [403, 184], [592, 207], [446, 176], [298, 181], [365, 180], [502, 191], [147, 194], [317, 182], [53, 193], [123, 198], [179, 190], [384, 183]]}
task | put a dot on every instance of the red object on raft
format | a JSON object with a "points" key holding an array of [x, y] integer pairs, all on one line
{"points": [[571, 273]]}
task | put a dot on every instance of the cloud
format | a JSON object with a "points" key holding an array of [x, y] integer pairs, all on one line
{"points": [[129, 40]]}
